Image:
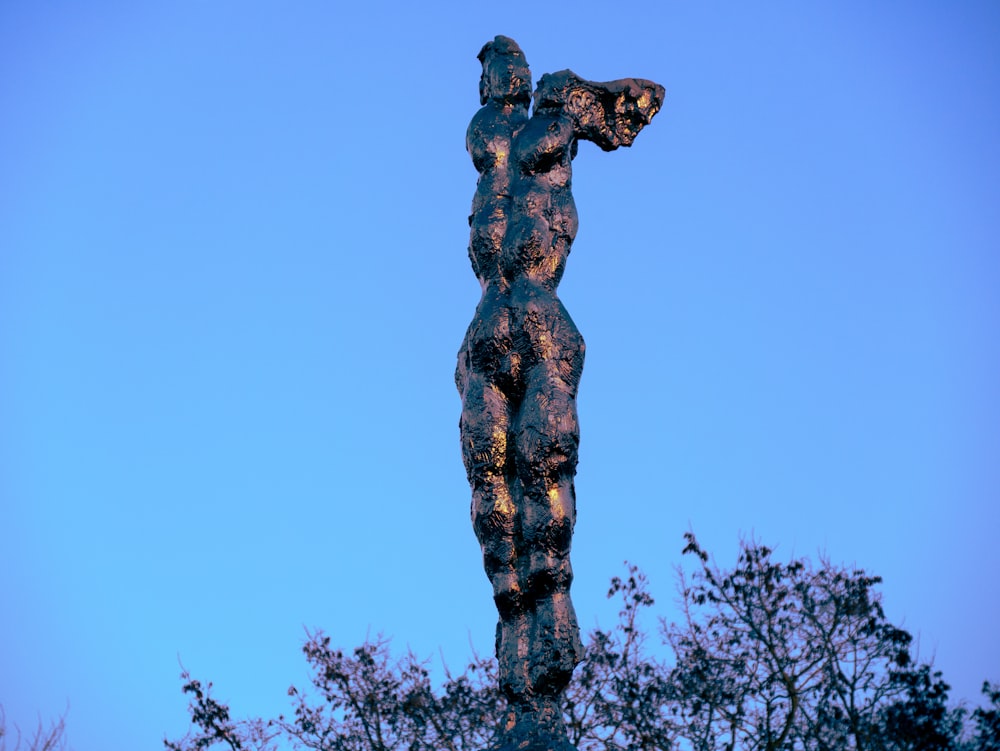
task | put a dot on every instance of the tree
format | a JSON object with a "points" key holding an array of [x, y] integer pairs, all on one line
{"points": [[373, 702], [767, 656], [987, 720], [920, 719], [51, 738], [619, 697], [774, 655], [368, 701], [212, 724]]}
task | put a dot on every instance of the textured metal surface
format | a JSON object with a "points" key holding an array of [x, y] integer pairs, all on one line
{"points": [[520, 363]]}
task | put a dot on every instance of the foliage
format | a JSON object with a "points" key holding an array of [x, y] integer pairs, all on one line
{"points": [[920, 720], [987, 719], [767, 656]]}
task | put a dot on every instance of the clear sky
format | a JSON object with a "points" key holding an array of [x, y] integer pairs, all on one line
{"points": [[233, 281]]}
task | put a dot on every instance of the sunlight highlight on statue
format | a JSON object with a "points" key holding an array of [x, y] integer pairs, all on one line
{"points": [[519, 366]]}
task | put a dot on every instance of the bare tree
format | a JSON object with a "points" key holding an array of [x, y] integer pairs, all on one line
{"points": [[619, 697], [773, 655], [768, 656], [45, 738]]}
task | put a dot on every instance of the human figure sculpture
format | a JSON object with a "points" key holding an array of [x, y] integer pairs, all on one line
{"points": [[520, 363]]}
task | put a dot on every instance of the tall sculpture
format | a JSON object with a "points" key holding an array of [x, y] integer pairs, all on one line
{"points": [[520, 363]]}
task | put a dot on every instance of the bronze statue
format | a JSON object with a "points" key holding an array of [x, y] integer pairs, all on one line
{"points": [[520, 363]]}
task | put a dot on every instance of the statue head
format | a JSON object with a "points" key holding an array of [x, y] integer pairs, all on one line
{"points": [[609, 114], [506, 76]]}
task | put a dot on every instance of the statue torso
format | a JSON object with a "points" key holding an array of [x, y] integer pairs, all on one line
{"points": [[523, 217]]}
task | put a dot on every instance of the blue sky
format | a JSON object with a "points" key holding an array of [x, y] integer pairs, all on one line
{"points": [[233, 281]]}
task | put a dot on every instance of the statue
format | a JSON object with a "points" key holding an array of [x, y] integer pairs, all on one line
{"points": [[520, 363]]}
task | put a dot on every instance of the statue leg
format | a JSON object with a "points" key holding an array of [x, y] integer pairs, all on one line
{"points": [[541, 647], [485, 427], [548, 437]]}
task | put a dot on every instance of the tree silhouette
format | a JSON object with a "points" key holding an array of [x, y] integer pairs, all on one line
{"points": [[777, 655], [766, 656]]}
